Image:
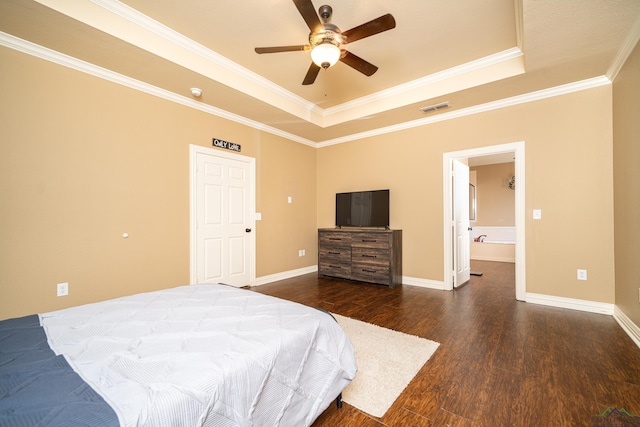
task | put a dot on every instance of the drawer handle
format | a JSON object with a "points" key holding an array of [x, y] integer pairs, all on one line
{"points": [[369, 256], [334, 238], [335, 266], [368, 241], [369, 271], [334, 253]]}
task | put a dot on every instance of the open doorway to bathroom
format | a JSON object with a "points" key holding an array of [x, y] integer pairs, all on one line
{"points": [[504, 153], [492, 216]]}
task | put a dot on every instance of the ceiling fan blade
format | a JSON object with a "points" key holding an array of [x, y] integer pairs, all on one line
{"points": [[276, 49], [378, 25], [312, 73], [308, 12], [359, 64]]}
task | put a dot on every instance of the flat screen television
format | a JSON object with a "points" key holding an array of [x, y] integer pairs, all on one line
{"points": [[363, 209]]}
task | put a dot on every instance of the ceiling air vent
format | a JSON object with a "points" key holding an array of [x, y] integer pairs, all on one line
{"points": [[435, 107]]}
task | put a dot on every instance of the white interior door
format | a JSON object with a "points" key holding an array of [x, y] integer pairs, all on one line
{"points": [[224, 220], [462, 245]]}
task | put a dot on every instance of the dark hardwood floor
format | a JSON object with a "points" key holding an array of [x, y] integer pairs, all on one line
{"points": [[500, 362]]}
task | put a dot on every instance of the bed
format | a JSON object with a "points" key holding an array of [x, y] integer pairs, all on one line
{"points": [[198, 355]]}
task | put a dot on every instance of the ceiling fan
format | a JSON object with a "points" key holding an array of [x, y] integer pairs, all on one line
{"points": [[327, 42]]}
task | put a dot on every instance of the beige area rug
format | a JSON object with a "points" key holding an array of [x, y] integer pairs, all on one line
{"points": [[387, 361]]}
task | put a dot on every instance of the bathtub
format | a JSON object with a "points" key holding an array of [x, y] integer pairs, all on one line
{"points": [[499, 244]]}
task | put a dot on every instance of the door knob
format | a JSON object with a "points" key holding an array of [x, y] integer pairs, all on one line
{"points": [[248, 230]]}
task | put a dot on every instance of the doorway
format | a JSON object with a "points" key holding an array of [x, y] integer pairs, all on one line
{"points": [[222, 217], [450, 249]]}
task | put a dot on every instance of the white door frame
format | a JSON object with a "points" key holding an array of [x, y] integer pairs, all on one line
{"points": [[447, 160], [194, 150]]}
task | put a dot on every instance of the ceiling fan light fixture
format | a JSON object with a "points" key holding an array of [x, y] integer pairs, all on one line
{"points": [[327, 42], [325, 54]]}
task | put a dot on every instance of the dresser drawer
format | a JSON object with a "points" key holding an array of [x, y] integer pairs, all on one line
{"points": [[370, 240], [335, 269], [370, 256], [334, 238], [371, 273], [335, 253]]}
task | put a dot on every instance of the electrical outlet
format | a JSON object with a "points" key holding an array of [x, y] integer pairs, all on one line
{"points": [[62, 289], [301, 252], [582, 274]]}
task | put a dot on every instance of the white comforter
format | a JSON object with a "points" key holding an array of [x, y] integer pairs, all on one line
{"points": [[206, 355]]}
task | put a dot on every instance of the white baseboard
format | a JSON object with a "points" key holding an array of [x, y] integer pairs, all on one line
{"points": [[263, 280], [625, 323], [423, 283], [412, 281], [574, 304], [493, 258]]}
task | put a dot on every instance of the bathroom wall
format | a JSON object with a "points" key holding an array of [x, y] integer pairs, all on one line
{"points": [[495, 213], [495, 201]]}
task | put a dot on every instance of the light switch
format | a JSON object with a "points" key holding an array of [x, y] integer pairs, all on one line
{"points": [[537, 214], [289, 199]]}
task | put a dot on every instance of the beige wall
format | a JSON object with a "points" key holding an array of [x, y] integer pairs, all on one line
{"points": [[626, 161], [495, 201], [568, 145], [288, 169], [83, 161]]}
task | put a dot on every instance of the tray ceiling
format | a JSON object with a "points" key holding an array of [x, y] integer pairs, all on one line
{"points": [[467, 53]]}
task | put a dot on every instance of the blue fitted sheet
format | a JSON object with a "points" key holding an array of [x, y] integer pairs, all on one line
{"points": [[38, 388]]}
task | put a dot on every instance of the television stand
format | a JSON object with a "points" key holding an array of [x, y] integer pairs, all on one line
{"points": [[365, 255]]}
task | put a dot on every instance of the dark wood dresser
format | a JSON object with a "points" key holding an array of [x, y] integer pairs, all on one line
{"points": [[366, 255]]}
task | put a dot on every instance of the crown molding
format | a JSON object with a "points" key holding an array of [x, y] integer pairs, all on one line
{"points": [[143, 21], [33, 49], [41, 52], [481, 108], [627, 47], [125, 23], [519, 19], [304, 109], [503, 64]]}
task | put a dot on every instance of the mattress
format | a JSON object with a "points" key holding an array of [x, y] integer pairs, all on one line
{"points": [[205, 355]]}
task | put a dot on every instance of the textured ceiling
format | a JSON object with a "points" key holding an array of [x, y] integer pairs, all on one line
{"points": [[466, 52]]}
